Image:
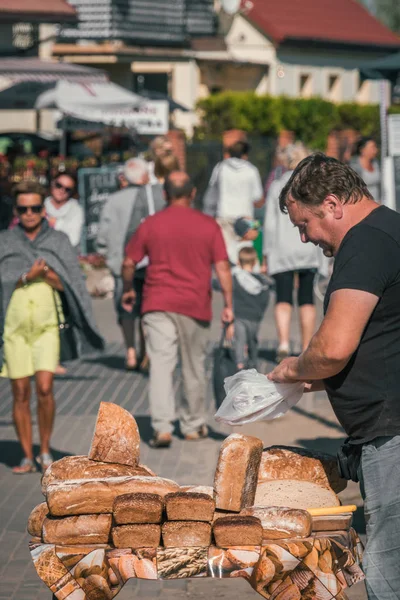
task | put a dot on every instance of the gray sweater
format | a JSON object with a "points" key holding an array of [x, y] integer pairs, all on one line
{"points": [[121, 216]]}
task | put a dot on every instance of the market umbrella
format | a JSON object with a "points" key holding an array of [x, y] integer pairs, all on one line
{"points": [[103, 102]]}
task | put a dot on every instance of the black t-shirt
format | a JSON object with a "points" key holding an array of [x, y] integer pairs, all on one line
{"points": [[365, 395]]}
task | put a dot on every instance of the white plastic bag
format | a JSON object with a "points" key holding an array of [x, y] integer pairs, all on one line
{"points": [[250, 396]]}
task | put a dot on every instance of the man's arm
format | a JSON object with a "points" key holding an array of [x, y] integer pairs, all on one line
{"points": [[105, 226], [335, 342], [135, 251], [224, 275]]}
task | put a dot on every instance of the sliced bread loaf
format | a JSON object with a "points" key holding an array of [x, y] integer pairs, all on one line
{"points": [[294, 494]]}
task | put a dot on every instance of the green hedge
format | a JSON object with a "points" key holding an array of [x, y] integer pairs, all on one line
{"points": [[311, 119]]}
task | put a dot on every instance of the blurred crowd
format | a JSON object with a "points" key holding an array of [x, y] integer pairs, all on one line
{"points": [[163, 257]]}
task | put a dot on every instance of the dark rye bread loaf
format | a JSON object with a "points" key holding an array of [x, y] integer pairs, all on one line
{"points": [[116, 436], [237, 530], [236, 474], [177, 534], [280, 522], [36, 518], [82, 467], [95, 496], [136, 535], [138, 508], [286, 462], [85, 529], [189, 506]]}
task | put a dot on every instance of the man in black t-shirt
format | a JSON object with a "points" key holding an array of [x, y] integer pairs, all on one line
{"points": [[355, 354]]}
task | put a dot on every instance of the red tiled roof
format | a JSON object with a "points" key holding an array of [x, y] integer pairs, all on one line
{"points": [[343, 21], [40, 10]]}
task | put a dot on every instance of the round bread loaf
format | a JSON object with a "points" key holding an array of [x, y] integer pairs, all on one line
{"points": [[286, 462], [36, 518]]}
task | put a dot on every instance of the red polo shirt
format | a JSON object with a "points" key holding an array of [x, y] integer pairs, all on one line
{"points": [[182, 245]]}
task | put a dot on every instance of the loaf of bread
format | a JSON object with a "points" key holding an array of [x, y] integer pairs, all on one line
{"points": [[237, 530], [280, 523], [237, 470], [82, 467], [294, 494], [186, 533], [284, 462], [138, 508], [116, 436], [95, 496], [36, 518], [136, 536], [85, 529], [200, 489], [189, 506]]}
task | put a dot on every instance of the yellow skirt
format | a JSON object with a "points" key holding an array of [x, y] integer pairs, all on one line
{"points": [[31, 336]]}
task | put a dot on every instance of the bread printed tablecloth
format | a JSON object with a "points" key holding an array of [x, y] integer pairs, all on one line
{"points": [[317, 568]]}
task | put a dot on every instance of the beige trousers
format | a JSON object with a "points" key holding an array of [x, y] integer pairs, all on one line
{"points": [[167, 334]]}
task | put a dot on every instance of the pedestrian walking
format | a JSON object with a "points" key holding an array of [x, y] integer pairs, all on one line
{"points": [[250, 301], [366, 165], [182, 245], [355, 353], [63, 211], [41, 284], [234, 191], [160, 147], [120, 217], [287, 258]]}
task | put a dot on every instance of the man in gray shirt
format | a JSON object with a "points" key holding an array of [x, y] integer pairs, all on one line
{"points": [[121, 216]]}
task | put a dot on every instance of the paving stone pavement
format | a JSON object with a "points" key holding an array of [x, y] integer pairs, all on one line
{"points": [[311, 424]]}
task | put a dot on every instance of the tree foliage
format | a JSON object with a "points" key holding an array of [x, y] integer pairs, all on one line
{"points": [[311, 119]]}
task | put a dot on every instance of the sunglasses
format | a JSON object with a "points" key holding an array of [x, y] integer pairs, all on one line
{"points": [[60, 186], [35, 208]]}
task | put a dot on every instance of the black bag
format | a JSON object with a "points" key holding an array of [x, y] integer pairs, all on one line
{"points": [[224, 365], [68, 348], [348, 460]]}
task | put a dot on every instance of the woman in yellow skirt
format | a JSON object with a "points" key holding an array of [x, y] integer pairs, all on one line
{"points": [[31, 342]]}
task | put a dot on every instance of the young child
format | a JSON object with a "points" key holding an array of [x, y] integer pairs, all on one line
{"points": [[250, 301]]}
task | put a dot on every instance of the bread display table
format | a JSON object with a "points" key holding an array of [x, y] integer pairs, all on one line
{"points": [[320, 567]]}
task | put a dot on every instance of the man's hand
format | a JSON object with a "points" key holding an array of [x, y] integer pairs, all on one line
{"points": [[285, 372], [230, 332], [227, 315], [128, 300]]}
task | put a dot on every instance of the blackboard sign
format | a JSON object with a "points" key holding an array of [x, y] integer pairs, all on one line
{"points": [[95, 185], [396, 172]]}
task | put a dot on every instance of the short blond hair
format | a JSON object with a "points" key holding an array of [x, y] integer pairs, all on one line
{"points": [[247, 256]]}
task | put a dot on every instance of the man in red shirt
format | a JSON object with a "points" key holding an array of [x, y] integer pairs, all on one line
{"points": [[182, 245]]}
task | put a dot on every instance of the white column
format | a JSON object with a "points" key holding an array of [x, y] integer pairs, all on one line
{"points": [[185, 90]]}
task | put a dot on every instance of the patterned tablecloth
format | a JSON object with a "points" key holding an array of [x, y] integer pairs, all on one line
{"points": [[317, 568]]}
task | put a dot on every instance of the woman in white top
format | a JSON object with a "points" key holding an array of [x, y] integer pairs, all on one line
{"points": [[285, 256], [63, 211]]}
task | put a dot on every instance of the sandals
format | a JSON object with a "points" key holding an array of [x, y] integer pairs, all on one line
{"points": [[27, 465], [161, 440], [200, 434], [44, 460]]}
